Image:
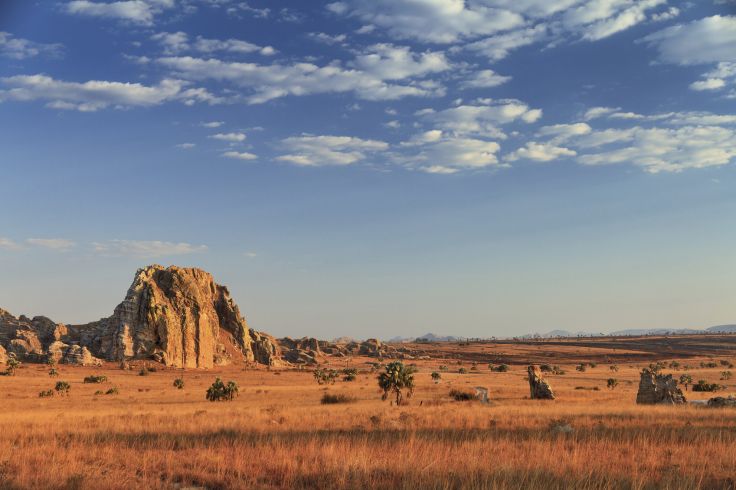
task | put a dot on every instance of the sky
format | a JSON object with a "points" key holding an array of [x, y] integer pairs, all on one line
{"points": [[375, 168]]}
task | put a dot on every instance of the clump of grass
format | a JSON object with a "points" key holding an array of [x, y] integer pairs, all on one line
{"points": [[349, 374], [179, 383], [53, 372], [62, 387], [325, 376], [95, 379], [46, 393], [462, 395], [112, 391], [330, 399]]}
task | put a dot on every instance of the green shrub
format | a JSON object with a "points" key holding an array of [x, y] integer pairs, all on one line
{"points": [[436, 377], [62, 387], [53, 372], [325, 376], [220, 391], [611, 383], [580, 367], [46, 393], [462, 370], [179, 383], [726, 375], [112, 391], [95, 379], [12, 365], [349, 374]]}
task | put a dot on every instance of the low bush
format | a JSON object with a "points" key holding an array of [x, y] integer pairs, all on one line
{"points": [[179, 383], [330, 399], [220, 391], [62, 387], [112, 391], [705, 386], [95, 379], [462, 395], [46, 394], [349, 374]]}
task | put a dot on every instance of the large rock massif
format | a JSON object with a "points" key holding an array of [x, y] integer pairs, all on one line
{"points": [[178, 316]]}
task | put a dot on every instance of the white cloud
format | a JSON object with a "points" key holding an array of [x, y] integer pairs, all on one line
{"points": [[186, 146], [499, 46], [540, 152], [135, 11], [60, 244], [179, 42], [438, 153], [708, 40], [484, 79], [327, 38], [19, 48], [143, 248], [439, 21], [212, 124], [96, 94], [239, 155], [231, 137], [708, 84], [669, 142], [314, 151], [483, 117], [366, 76], [596, 112]]}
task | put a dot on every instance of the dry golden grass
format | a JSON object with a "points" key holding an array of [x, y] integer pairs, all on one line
{"points": [[276, 434]]}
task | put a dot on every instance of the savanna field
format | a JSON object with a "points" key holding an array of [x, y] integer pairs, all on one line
{"points": [[277, 433]]}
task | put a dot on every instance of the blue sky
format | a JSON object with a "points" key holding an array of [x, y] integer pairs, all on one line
{"points": [[393, 167]]}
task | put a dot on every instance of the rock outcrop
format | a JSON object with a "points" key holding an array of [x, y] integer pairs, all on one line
{"points": [[655, 388], [539, 388], [177, 316]]}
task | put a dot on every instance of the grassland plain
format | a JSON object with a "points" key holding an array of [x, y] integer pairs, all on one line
{"points": [[277, 434]]}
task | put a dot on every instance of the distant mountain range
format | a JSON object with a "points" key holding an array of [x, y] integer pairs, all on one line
{"points": [[430, 337], [634, 332]]}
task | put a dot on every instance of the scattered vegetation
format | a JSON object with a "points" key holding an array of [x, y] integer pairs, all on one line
{"points": [[46, 393], [612, 383], [462, 370], [703, 385], [613, 368], [686, 379], [12, 365], [179, 383], [501, 368], [325, 376], [220, 391], [112, 391], [580, 367], [726, 375], [436, 377], [53, 372], [95, 379], [349, 374]]}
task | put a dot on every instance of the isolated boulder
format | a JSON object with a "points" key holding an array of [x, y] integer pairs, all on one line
{"points": [[655, 388], [539, 388]]}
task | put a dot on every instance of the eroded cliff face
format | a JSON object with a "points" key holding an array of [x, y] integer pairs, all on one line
{"points": [[178, 316]]}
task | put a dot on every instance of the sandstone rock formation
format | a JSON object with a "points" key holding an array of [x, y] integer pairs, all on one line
{"points": [[177, 316], [539, 388], [657, 388]]}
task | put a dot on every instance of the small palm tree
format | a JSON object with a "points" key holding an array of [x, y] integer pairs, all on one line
{"points": [[396, 379], [686, 379]]}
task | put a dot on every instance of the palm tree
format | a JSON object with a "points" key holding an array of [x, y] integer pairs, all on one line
{"points": [[396, 379]]}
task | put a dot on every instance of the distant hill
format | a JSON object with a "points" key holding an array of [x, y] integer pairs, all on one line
{"points": [[429, 337], [722, 329]]}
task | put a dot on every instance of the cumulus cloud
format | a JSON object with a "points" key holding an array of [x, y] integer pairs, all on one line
{"points": [[540, 152], [145, 249], [314, 151], [60, 244], [179, 42], [236, 155], [438, 21], [484, 79], [231, 137], [441, 153], [667, 142], [19, 48], [97, 94], [498, 47], [134, 11], [484, 116], [367, 76]]}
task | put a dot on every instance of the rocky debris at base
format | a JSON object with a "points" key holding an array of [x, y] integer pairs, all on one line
{"points": [[538, 387], [655, 388]]}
